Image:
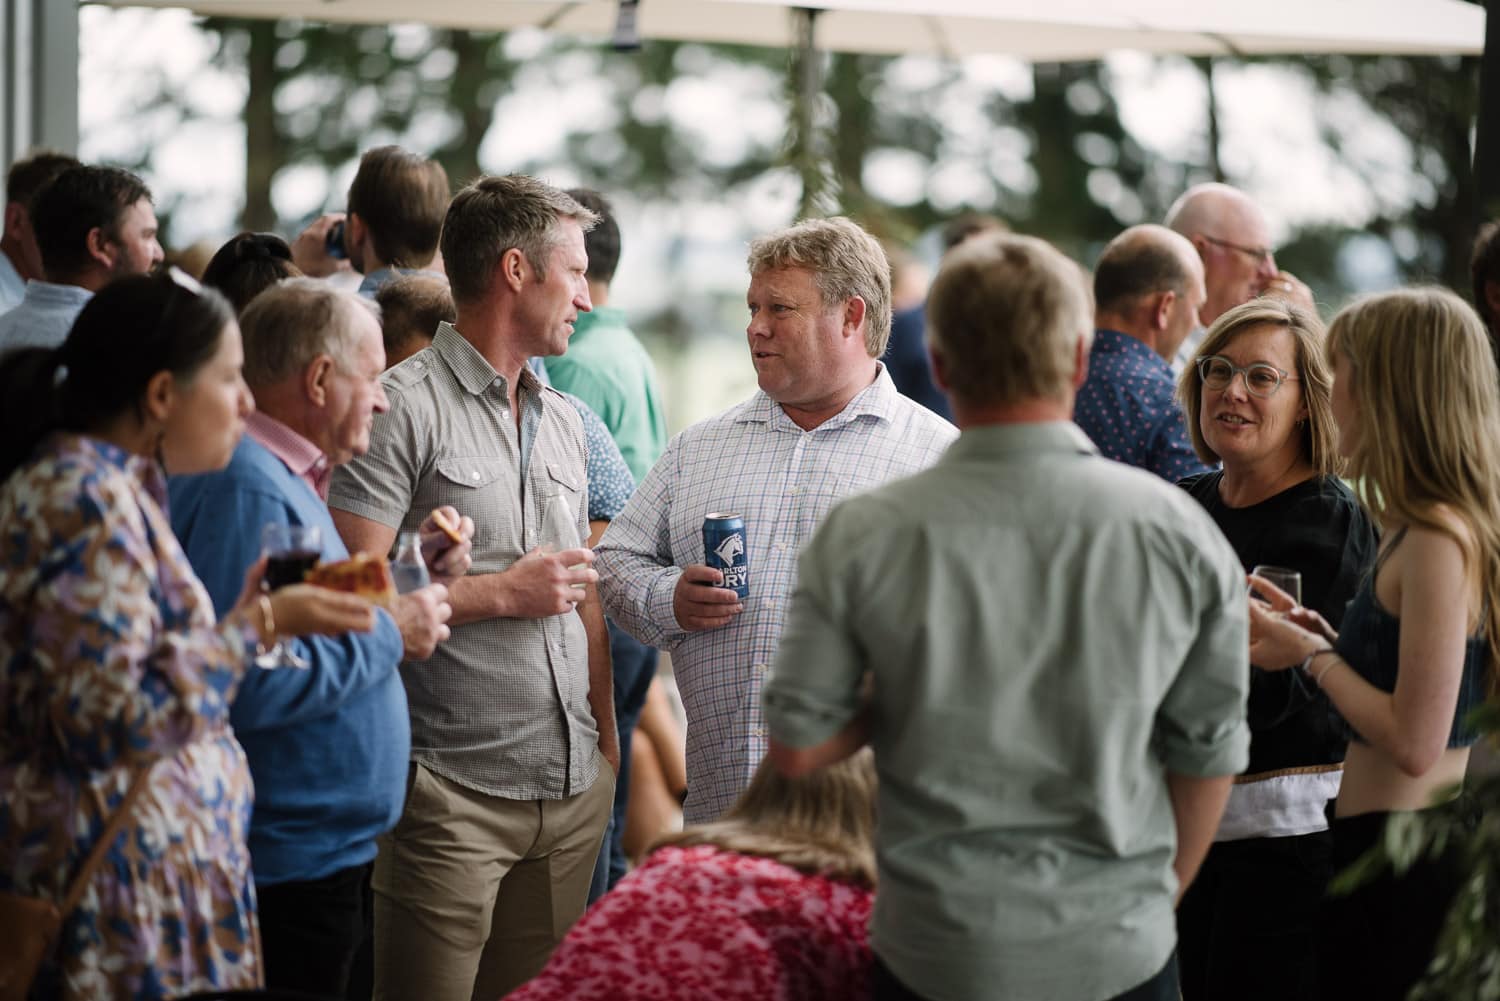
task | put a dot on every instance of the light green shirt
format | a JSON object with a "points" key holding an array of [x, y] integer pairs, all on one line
{"points": [[1050, 633], [607, 368]]}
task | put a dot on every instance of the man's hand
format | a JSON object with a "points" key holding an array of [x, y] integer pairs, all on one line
{"points": [[1291, 288], [701, 602], [422, 617], [540, 583], [310, 249], [446, 560]]}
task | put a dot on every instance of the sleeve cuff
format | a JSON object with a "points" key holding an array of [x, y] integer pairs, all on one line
{"points": [[1226, 754]]}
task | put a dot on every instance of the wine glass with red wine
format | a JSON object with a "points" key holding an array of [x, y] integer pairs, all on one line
{"points": [[290, 551]]}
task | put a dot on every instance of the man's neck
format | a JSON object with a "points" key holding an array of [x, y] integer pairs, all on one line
{"points": [[286, 404], [598, 293], [816, 413], [1121, 324], [488, 330], [11, 248], [1036, 410]]}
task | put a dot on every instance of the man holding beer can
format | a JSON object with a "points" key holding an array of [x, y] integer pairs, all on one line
{"points": [[826, 422]]}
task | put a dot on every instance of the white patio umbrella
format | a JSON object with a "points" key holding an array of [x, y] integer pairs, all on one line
{"points": [[1041, 31]]}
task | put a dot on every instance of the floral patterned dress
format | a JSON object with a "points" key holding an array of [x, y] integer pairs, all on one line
{"points": [[700, 922], [110, 662]]}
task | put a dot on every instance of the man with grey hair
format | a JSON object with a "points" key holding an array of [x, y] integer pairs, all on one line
{"points": [[1049, 655], [1148, 286], [327, 746], [513, 752], [1231, 235], [827, 422]]}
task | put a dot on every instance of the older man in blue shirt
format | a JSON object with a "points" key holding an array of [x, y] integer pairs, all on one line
{"points": [[1148, 287]]}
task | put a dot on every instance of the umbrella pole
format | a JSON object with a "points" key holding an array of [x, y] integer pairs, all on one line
{"points": [[808, 151]]}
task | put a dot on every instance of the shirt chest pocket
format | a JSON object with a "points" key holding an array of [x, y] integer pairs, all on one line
{"points": [[485, 490], [562, 497]]}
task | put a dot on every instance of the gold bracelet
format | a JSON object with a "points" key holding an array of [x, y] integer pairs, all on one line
{"points": [[267, 618]]}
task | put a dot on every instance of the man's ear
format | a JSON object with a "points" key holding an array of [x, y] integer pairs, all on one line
{"points": [[1161, 310], [514, 269], [1492, 297], [315, 380], [15, 218], [1080, 363], [855, 311], [939, 369], [100, 247], [160, 396]]}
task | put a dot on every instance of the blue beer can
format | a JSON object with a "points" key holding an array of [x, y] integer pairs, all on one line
{"points": [[725, 549]]}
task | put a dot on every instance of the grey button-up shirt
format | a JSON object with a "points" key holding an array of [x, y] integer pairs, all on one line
{"points": [[1049, 635], [501, 707]]}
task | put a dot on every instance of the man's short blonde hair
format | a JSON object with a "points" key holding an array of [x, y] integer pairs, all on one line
{"points": [[1006, 314], [845, 262]]}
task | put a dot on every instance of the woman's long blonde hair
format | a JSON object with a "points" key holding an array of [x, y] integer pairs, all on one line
{"points": [[822, 823], [1428, 394]]}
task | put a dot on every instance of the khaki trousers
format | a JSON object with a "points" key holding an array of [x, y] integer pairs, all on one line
{"points": [[473, 892]]}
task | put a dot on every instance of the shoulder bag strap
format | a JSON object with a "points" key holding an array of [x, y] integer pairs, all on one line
{"points": [[101, 847]]}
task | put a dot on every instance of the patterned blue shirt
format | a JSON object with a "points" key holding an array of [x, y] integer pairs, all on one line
{"points": [[1126, 406], [754, 461]]}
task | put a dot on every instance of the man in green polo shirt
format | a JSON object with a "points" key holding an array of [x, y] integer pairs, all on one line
{"points": [[605, 365], [1048, 652]]}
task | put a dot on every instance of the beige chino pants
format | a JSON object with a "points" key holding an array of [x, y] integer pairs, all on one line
{"points": [[473, 892]]}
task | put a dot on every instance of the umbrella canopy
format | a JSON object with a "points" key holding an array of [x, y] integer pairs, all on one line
{"points": [[1058, 30]]}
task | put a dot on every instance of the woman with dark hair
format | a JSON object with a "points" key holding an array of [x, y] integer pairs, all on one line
{"points": [[249, 264], [115, 680], [770, 903]]}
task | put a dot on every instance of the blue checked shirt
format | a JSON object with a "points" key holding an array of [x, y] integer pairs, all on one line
{"points": [[754, 461]]}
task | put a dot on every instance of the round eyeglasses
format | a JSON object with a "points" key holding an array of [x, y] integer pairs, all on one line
{"points": [[1262, 380]]}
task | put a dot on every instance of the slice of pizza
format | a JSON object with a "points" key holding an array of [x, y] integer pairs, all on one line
{"points": [[362, 574]]}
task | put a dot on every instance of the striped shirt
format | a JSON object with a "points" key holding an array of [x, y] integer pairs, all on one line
{"points": [[502, 706], [754, 461]]}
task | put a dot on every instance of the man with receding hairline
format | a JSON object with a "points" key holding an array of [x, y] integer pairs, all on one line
{"points": [[1231, 235], [1148, 287], [327, 746], [1048, 653]]}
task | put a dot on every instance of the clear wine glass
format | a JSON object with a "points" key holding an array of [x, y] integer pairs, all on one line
{"points": [[290, 552], [1289, 581]]}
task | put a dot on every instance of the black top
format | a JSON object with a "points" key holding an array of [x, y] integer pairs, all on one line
{"points": [[1317, 528], [1370, 642]]}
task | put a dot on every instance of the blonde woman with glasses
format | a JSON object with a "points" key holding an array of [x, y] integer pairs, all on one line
{"points": [[1418, 412], [1259, 395]]}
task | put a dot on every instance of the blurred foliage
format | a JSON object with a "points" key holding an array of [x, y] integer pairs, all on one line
{"points": [[1057, 162]]}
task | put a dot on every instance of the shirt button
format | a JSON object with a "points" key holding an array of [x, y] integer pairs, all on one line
{"points": [[781, 546], [760, 668], [476, 474], [760, 731]]}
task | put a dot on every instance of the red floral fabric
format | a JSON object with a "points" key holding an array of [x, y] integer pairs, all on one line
{"points": [[703, 923]]}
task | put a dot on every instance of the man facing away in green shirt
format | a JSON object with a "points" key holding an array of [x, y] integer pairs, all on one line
{"points": [[1048, 652], [606, 366]]}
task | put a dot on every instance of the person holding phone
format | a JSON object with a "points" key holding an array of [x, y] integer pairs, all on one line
{"points": [[1418, 411]]}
